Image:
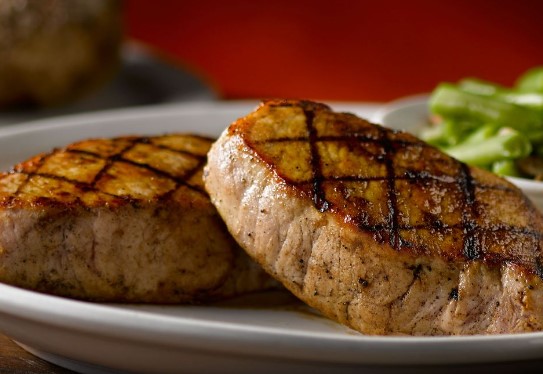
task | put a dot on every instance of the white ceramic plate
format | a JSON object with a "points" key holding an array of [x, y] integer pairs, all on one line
{"points": [[411, 114], [236, 338]]}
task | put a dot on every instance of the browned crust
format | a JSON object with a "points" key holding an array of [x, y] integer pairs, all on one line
{"points": [[490, 220], [94, 183]]}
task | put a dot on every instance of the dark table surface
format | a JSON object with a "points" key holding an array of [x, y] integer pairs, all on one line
{"points": [[14, 359]]}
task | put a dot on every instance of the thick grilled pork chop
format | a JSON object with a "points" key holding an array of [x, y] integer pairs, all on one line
{"points": [[375, 228], [124, 220]]}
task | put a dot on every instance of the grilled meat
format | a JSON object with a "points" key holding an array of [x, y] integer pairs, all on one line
{"points": [[376, 229], [122, 220]]}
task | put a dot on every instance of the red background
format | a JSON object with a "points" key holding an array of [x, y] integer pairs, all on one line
{"points": [[341, 50]]}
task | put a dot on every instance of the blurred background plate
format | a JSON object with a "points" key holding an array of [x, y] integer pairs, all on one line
{"points": [[143, 79]]}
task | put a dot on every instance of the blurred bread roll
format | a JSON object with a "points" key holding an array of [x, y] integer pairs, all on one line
{"points": [[53, 51]]}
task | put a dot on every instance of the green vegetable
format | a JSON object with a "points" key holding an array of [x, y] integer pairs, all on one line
{"points": [[451, 102], [531, 81], [480, 87], [532, 100], [506, 168], [507, 144], [434, 135], [481, 134], [489, 125], [447, 133]]}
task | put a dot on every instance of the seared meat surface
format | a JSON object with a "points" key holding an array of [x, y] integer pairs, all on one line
{"points": [[124, 220], [376, 229]]}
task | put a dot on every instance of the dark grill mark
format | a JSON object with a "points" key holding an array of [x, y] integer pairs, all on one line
{"points": [[539, 267], [326, 138], [492, 228], [110, 160], [394, 234], [409, 177], [416, 271], [28, 176], [471, 246], [118, 157], [318, 194]]}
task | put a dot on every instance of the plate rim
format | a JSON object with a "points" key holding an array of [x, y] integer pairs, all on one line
{"points": [[294, 345]]}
